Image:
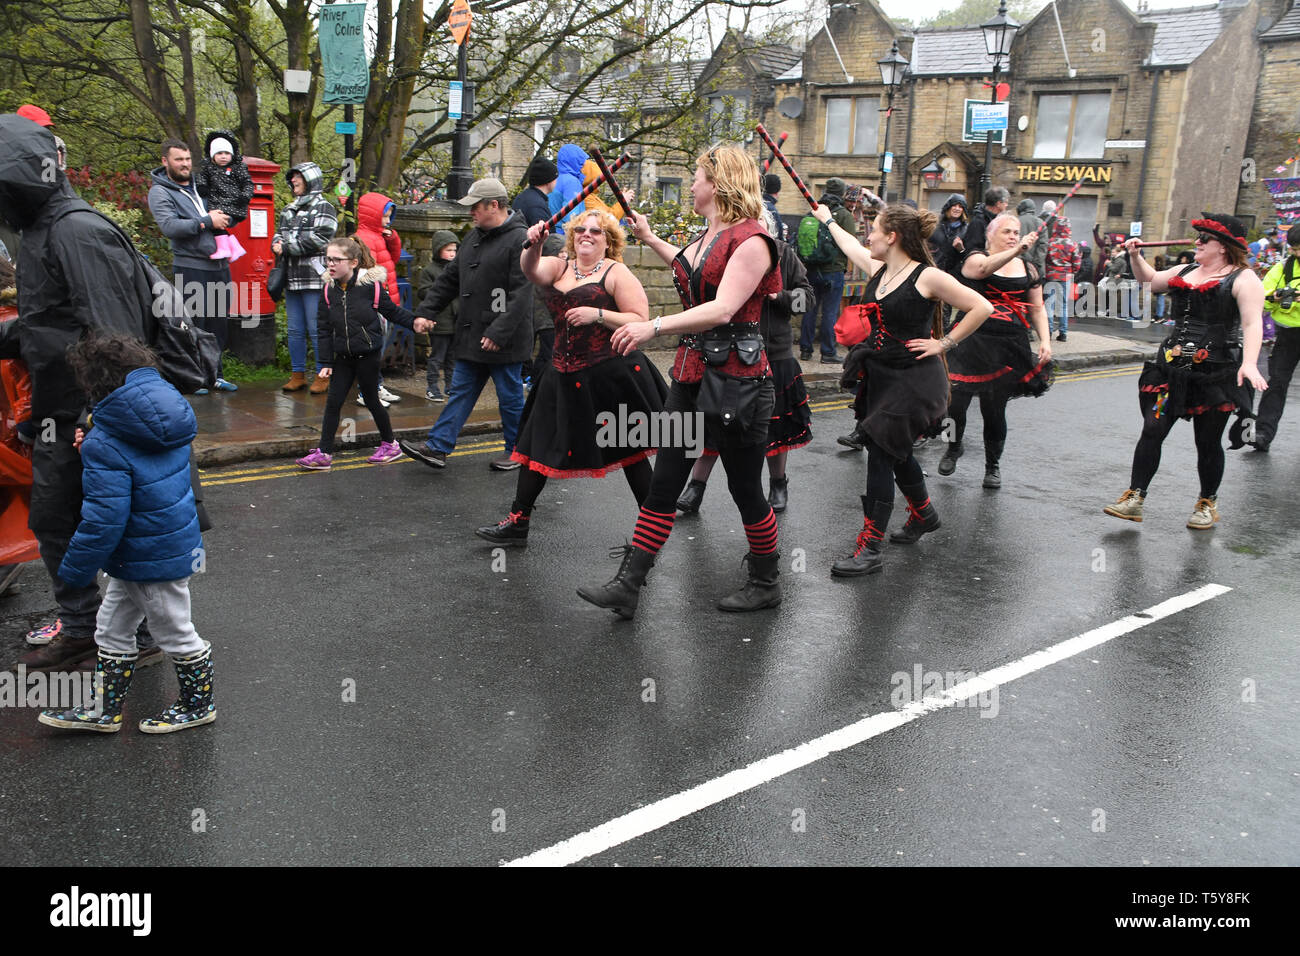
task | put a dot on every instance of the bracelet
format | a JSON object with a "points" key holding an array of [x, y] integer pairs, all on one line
{"points": [[600, 317], [948, 343], [658, 319]]}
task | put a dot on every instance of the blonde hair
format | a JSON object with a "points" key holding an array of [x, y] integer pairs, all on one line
{"points": [[993, 224], [734, 174], [615, 240]]}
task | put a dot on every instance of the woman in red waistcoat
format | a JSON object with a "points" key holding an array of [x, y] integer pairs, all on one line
{"points": [[723, 278]]}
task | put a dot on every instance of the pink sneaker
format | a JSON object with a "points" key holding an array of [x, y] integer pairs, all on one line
{"points": [[386, 452], [317, 460]]}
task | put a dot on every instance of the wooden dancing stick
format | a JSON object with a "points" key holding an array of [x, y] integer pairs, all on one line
{"points": [[1166, 242], [609, 178], [780, 141], [587, 190], [780, 158]]}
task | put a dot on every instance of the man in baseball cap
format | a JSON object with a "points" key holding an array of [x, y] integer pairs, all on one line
{"points": [[494, 333]]}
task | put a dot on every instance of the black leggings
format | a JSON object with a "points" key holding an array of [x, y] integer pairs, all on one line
{"points": [[1207, 427], [883, 471], [532, 482], [363, 369], [744, 468], [992, 407]]}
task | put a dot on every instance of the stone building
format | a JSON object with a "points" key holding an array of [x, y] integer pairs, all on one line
{"points": [[1150, 109], [1275, 122]]}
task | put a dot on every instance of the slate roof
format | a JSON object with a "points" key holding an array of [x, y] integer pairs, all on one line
{"points": [[1184, 33], [1288, 26], [650, 88], [773, 60], [952, 51]]}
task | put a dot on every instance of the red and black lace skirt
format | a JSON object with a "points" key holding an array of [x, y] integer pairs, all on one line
{"points": [[998, 359]]}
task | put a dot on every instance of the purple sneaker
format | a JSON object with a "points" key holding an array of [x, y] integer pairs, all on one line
{"points": [[317, 460], [386, 452]]}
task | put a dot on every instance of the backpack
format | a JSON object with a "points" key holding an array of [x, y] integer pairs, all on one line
{"points": [[813, 242], [188, 356]]}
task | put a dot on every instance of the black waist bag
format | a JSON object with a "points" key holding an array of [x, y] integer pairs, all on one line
{"points": [[730, 400]]}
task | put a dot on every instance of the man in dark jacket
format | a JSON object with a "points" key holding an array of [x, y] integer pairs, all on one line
{"points": [[828, 281], [995, 204], [184, 218], [75, 271], [772, 186], [494, 330], [531, 203]]}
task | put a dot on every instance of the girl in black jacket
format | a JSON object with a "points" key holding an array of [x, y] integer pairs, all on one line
{"points": [[351, 340]]}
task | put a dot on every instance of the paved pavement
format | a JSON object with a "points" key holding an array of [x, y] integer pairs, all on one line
{"points": [[393, 691], [260, 421]]}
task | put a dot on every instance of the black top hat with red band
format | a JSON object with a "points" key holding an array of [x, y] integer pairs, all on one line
{"points": [[1228, 230]]}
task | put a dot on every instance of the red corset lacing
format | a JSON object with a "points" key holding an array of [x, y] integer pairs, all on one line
{"points": [[876, 316], [1008, 301]]}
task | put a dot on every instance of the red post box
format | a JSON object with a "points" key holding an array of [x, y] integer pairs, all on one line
{"points": [[252, 338]]}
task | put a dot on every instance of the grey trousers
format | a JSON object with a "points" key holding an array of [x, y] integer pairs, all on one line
{"points": [[165, 603]]}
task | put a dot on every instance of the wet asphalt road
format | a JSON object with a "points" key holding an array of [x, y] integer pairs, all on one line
{"points": [[497, 714]]}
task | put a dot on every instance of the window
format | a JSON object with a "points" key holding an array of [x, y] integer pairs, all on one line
{"points": [[615, 130], [1071, 125], [729, 117], [540, 129], [853, 125], [670, 190]]}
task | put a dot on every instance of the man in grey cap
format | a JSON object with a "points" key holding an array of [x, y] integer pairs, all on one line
{"points": [[494, 328]]}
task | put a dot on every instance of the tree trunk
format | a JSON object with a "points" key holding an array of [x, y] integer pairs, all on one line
{"points": [[406, 63], [250, 124], [303, 55], [163, 104]]}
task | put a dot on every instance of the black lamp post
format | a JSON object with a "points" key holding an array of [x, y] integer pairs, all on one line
{"points": [[892, 70], [999, 33]]}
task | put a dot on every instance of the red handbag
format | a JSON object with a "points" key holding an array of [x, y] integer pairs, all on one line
{"points": [[854, 324]]}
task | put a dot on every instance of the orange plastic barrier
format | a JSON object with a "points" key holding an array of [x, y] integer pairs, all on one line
{"points": [[16, 542]]}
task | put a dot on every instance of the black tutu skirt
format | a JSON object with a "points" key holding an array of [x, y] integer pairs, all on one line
{"points": [[898, 403], [1184, 389], [559, 426], [997, 359], [790, 425]]}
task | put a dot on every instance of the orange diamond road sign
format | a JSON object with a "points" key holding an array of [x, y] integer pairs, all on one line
{"points": [[459, 21]]}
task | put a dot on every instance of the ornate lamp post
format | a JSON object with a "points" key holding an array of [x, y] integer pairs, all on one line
{"points": [[999, 33], [892, 70]]}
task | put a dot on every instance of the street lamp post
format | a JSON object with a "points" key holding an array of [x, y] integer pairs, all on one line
{"points": [[999, 33], [892, 70]]}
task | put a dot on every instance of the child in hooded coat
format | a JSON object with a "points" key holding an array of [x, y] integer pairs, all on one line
{"points": [[224, 182]]}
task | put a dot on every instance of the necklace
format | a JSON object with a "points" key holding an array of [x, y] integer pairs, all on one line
{"points": [[884, 283], [587, 275]]}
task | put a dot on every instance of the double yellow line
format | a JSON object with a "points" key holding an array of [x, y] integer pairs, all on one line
{"points": [[495, 445]]}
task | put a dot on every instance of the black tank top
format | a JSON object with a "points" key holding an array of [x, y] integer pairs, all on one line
{"points": [[903, 314]]}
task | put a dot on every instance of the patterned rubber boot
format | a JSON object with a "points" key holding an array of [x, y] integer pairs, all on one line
{"points": [[921, 518], [992, 455], [866, 558], [113, 673], [622, 593], [763, 589], [948, 463], [194, 705]]}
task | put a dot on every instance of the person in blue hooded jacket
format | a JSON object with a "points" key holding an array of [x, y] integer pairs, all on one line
{"points": [[139, 524], [568, 183]]}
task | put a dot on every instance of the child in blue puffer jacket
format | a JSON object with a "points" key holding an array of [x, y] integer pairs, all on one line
{"points": [[138, 523]]}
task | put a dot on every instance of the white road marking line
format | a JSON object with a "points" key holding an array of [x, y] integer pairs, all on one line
{"points": [[663, 812]]}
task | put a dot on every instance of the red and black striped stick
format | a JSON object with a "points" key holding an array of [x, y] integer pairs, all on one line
{"points": [[613, 184], [780, 158], [587, 190], [1060, 206], [780, 141]]}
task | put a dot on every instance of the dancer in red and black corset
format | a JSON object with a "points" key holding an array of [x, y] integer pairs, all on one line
{"points": [[1205, 366], [722, 277], [997, 363], [902, 385], [590, 292], [791, 425]]}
